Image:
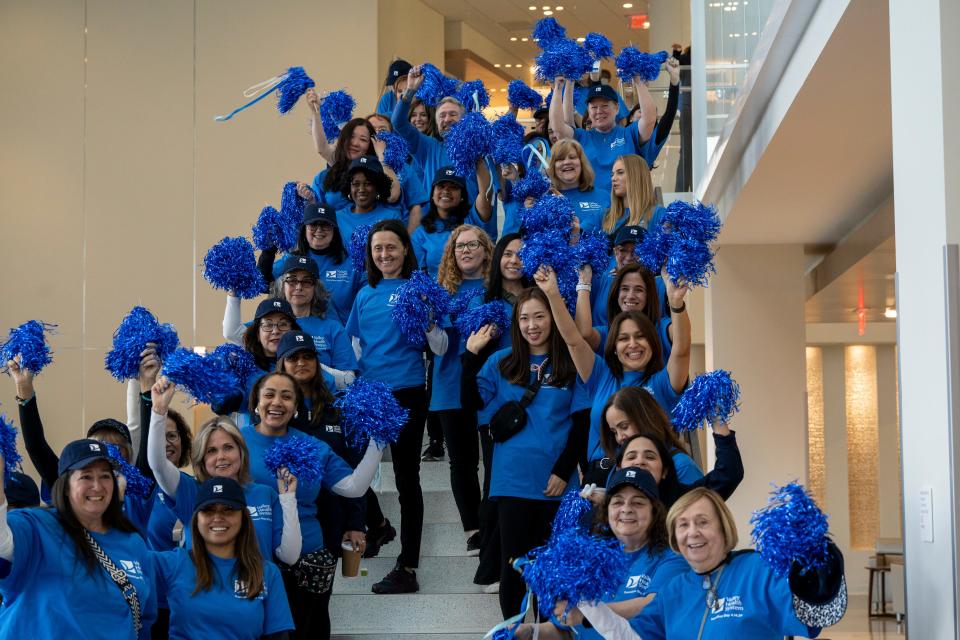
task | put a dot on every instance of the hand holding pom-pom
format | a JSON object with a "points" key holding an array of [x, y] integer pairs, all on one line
{"points": [[369, 411], [295, 456], [790, 530], [137, 484], [230, 265], [28, 343], [711, 398]]}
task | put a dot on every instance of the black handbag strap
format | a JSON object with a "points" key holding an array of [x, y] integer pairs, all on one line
{"points": [[119, 577], [534, 387]]}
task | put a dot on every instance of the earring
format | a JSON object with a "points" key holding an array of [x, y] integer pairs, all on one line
{"points": [[295, 414], [256, 410]]}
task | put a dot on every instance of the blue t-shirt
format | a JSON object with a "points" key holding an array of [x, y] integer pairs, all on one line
{"points": [[446, 368], [589, 207], [411, 186], [332, 342], [428, 245], [687, 470], [385, 354], [48, 592], [333, 470], [263, 504], [602, 384], [752, 604], [348, 221], [222, 612], [162, 521], [522, 464], [512, 214], [387, 102], [649, 572], [339, 279], [600, 295], [603, 149]]}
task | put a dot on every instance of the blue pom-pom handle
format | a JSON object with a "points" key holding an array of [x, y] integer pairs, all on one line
{"points": [[138, 328], [230, 265], [634, 63], [300, 455], [295, 84], [790, 530], [203, 378], [396, 151], [369, 410], [8, 446], [521, 96], [275, 230], [473, 95], [420, 301], [711, 397], [29, 342], [467, 141], [138, 485], [336, 110]]}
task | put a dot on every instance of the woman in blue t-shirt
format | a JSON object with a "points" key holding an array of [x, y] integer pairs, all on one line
{"points": [[367, 187], [571, 175], [632, 198], [61, 575], [222, 588], [491, 190]]}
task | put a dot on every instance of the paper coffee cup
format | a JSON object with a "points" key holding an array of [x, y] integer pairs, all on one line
{"points": [[350, 562]]}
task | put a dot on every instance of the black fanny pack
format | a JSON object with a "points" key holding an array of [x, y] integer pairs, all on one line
{"points": [[511, 417]]}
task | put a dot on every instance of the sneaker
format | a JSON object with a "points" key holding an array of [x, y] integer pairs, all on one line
{"points": [[473, 544], [398, 581], [433, 452], [377, 537], [492, 588]]}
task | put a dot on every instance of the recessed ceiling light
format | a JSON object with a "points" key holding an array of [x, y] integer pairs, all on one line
{"points": [[548, 13], [497, 65], [513, 39], [508, 65], [532, 8], [628, 5], [546, 7], [503, 90], [524, 39], [558, 8], [646, 24], [581, 39]]}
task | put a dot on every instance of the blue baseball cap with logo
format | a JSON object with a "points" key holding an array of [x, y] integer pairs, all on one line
{"points": [[635, 477], [225, 491], [303, 263], [314, 213], [629, 233], [82, 453], [274, 305], [603, 91], [448, 174], [398, 69], [293, 341]]}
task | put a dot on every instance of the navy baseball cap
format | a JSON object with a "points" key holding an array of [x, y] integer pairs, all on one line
{"points": [[293, 341], [82, 453], [225, 491], [21, 490], [314, 213], [109, 424], [635, 477], [397, 69], [629, 233], [274, 305], [366, 163], [604, 91], [448, 174], [304, 263]]}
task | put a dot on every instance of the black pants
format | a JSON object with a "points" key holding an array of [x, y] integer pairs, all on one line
{"points": [[375, 515], [406, 469], [524, 524], [460, 433], [434, 428], [488, 571], [310, 611]]}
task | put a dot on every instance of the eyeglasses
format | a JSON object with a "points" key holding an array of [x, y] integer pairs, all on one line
{"points": [[293, 283], [172, 436], [467, 246], [269, 327]]}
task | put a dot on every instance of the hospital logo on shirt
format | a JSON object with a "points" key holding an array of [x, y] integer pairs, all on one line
{"points": [[618, 142], [320, 343], [727, 607], [637, 584], [240, 590], [589, 206], [334, 428], [394, 298], [132, 569], [335, 275], [260, 512]]}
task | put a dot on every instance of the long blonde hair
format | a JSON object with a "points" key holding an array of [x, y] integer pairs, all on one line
{"points": [[448, 274], [560, 149], [640, 198]]}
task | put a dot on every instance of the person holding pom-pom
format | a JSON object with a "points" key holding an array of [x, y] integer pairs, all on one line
{"points": [[393, 86], [499, 188], [367, 186], [632, 198], [423, 118], [572, 176]]}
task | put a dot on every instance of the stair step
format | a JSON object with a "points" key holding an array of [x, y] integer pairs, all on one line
{"points": [[435, 575], [386, 616], [438, 507], [445, 539]]}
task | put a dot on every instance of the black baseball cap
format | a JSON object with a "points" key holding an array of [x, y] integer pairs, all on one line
{"points": [[365, 163], [314, 213], [82, 453], [448, 174], [604, 91], [274, 305], [21, 490], [397, 69], [109, 424], [303, 263], [293, 341], [628, 233], [225, 491], [635, 477]]}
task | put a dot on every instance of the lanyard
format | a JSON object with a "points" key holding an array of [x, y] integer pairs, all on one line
{"points": [[711, 588]]}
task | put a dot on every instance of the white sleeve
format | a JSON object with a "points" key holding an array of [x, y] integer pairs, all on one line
{"points": [[438, 341], [357, 483], [164, 471], [232, 325], [6, 535], [607, 623], [133, 416], [342, 378], [355, 341], [291, 540]]}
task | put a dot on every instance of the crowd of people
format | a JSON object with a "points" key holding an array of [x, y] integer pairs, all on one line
{"points": [[233, 550]]}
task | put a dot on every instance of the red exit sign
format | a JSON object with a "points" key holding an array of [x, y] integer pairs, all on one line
{"points": [[640, 21]]}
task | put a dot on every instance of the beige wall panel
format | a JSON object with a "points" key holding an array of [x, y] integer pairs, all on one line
{"points": [[242, 164], [103, 396], [410, 30], [889, 437]]}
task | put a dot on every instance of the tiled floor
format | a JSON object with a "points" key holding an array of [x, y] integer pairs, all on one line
{"points": [[857, 626]]}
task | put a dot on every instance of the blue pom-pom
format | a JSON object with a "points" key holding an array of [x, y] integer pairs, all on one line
{"points": [[358, 247], [575, 567], [791, 529], [690, 261], [291, 204], [459, 303], [632, 62], [598, 45], [467, 141], [563, 58], [533, 185], [130, 339], [473, 95], [29, 342], [653, 248], [231, 265], [548, 30], [521, 96], [551, 248], [420, 301], [8, 446], [138, 485], [370, 410], [436, 86], [396, 151], [574, 513], [203, 378], [335, 111], [696, 221], [300, 455], [713, 396], [473, 319], [295, 84], [237, 360], [681, 243], [505, 633], [549, 213], [507, 136], [274, 230], [593, 249]]}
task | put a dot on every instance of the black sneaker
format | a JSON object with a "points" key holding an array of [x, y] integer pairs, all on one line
{"points": [[473, 544], [433, 452], [398, 581], [377, 537]]}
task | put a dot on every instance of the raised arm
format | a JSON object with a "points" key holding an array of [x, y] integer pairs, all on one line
{"points": [[648, 110], [560, 126], [320, 142], [146, 378], [164, 471], [379, 146], [6, 534], [673, 97], [400, 118], [569, 113], [678, 366], [584, 310], [483, 204], [233, 328], [580, 351], [38, 449], [357, 483]]}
